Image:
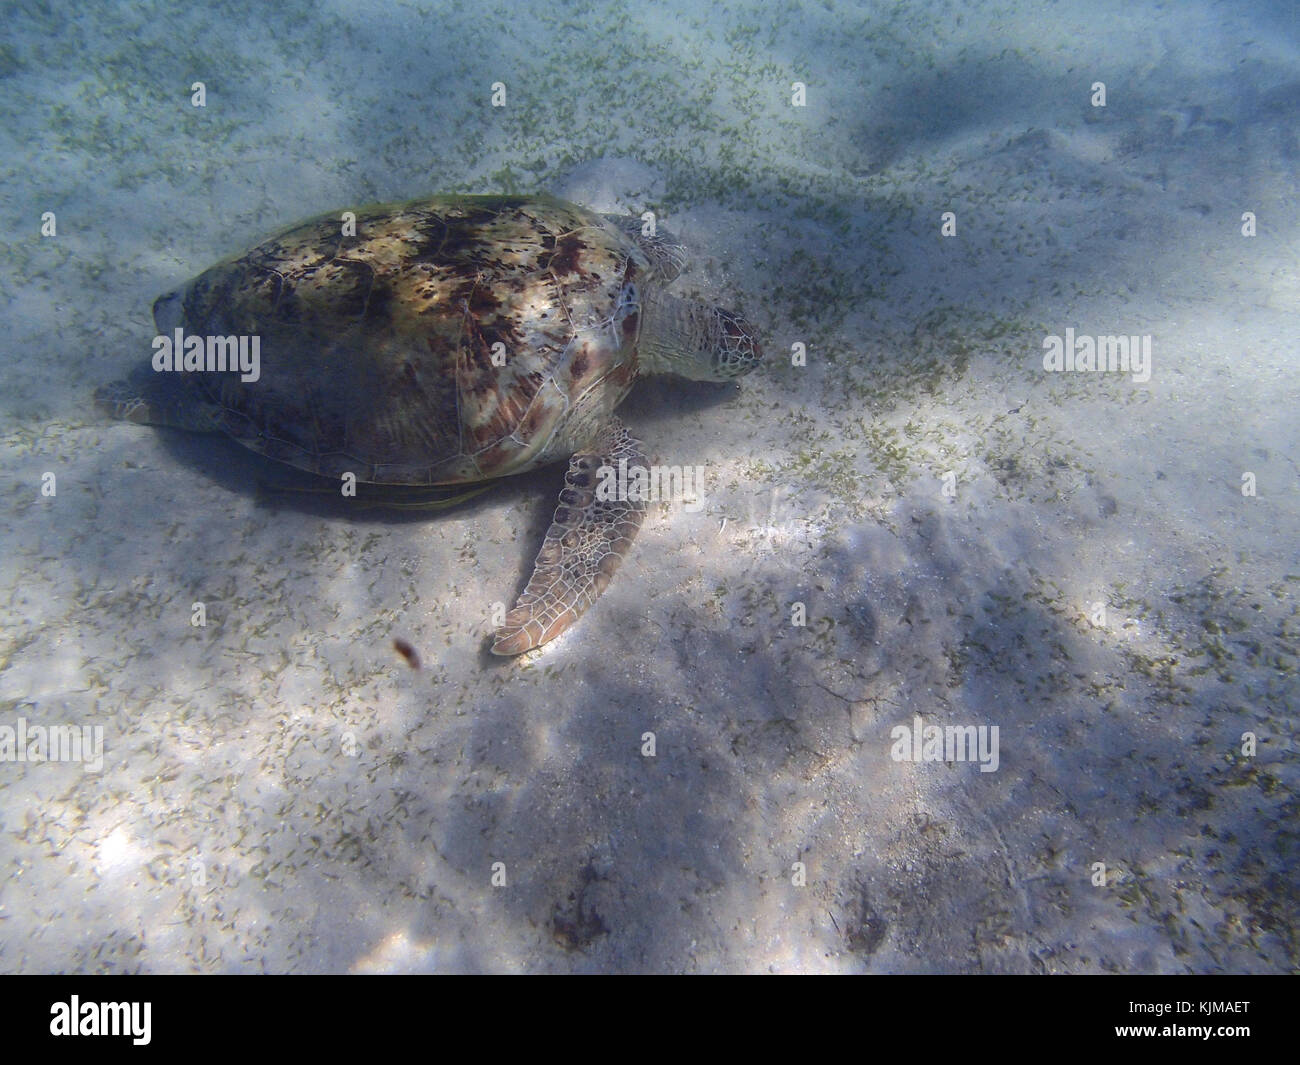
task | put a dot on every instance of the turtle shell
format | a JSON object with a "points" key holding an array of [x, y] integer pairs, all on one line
{"points": [[451, 340]]}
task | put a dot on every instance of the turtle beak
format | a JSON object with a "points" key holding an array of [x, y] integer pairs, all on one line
{"points": [[169, 310]]}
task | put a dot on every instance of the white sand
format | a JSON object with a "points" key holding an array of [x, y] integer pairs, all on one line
{"points": [[231, 830]]}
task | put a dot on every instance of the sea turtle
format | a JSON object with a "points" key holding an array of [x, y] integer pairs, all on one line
{"points": [[445, 342]]}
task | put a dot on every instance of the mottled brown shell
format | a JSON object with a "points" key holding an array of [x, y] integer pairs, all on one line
{"points": [[450, 340]]}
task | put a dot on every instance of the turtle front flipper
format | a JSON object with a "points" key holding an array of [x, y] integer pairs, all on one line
{"points": [[584, 546]]}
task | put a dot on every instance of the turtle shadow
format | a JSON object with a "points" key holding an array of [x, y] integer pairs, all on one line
{"points": [[276, 486], [661, 399]]}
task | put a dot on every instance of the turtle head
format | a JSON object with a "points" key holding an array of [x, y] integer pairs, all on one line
{"points": [[733, 348], [696, 340]]}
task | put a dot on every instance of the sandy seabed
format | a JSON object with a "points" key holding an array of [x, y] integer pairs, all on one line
{"points": [[907, 516]]}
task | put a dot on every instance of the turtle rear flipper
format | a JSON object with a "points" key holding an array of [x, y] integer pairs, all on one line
{"points": [[584, 546]]}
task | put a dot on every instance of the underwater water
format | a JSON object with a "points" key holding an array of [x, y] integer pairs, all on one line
{"points": [[974, 656]]}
